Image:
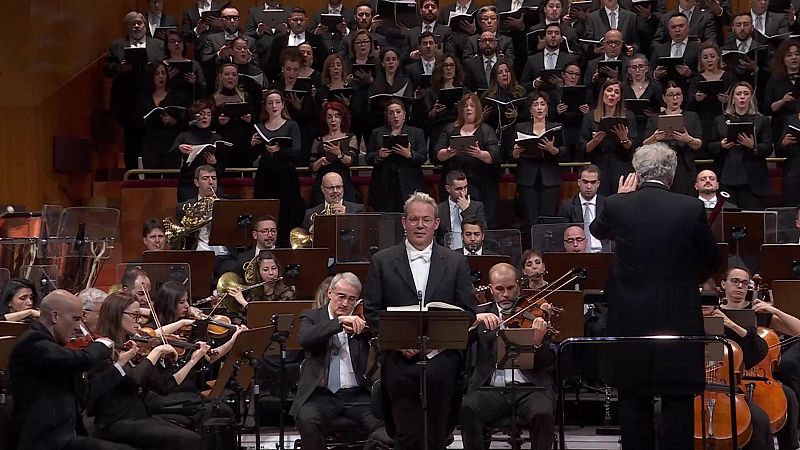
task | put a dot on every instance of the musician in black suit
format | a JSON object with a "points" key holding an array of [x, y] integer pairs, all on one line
{"points": [[363, 20], [45, 376], [333, 193], [458, 208], [418, 270], [678, 46], [482, 407], [218, 47], [572, 209], [664, 246], [517, 27], [707, 188], [472, 239], [552, 11], [701, 22], [265, 234], [296, 35], [155, 18], [460, 7], [195, 28], [127, 82], [612, 51], [333, 37], [333, 381], [600, 21], [551, 57], [258, 27], [424, 62], [488, 22], [463, 29], [767, 23], [441, 33]]}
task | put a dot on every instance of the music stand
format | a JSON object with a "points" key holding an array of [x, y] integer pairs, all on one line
{"points": [[787, 224], [597, 266], [158, 274], [357, 237], [746, 231], [785, 294], [44, 278], [550, 237], [304, 269], [780, 262], [85, 237], [200, 264], [260, 314], [328, 229], [479, 266], [442, 330], [238, 372], [232, 220]]}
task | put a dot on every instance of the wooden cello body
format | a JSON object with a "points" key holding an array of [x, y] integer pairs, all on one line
{"points": [[760, 385], [712, 408]]}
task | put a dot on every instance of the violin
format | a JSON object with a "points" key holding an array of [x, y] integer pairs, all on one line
{"points": [[526, 309], [147, 343], [712, 408]]}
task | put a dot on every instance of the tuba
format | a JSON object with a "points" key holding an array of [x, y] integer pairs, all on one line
{"points": [[196, 216], [300, 238]]}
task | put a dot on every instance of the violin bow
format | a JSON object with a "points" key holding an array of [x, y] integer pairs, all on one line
{"points": [[154, 315], [571, 275]]}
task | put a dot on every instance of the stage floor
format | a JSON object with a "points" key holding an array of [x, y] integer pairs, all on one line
{"points": [[576, 438]]}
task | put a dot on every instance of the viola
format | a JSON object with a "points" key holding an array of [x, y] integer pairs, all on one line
{"points": [[526, 309], [712, 408], [218, 325], [147, 343]]}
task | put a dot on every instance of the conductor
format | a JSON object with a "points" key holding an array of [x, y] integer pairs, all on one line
{"points": [[403, 275], [663, 248]]}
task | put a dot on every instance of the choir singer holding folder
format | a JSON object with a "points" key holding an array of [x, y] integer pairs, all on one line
{"points": [[418, 270]]}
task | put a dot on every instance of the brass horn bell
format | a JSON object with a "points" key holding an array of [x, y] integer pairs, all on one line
{"points": [[300, 238]]}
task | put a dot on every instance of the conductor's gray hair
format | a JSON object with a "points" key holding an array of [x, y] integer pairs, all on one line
{"points": [[655, 162], [420, 197], [347, 277]]}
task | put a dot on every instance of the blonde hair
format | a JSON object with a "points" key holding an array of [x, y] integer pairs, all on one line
{"points": [[730, 108], [420, 197]]}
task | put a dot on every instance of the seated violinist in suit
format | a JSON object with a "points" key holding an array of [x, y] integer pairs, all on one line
{"points": [[483, 407], [333, 377]]}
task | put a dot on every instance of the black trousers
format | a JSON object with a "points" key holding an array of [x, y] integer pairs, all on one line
{"points": [[151, 433], [323, 407], [481, 408], [401, 380], [538, 201], [762, 434], [636, 419]]}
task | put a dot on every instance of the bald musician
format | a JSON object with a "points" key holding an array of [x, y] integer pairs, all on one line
{"points": [[479, 408], [332, 186], [44, 376], [575, 239]]}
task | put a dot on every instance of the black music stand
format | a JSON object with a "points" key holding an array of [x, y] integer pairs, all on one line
{"points": [[201, 265], [357, 236], [479, 266], [746, 231], [260, 314], [785, 294], [597, 266], [442, 330], [238, 372], [780, 262], [327, 229], [304, 269], [232, 220]]}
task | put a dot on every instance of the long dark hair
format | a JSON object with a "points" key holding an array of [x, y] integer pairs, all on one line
{"points": [[13, 286], [109, 320], [167, 300]]}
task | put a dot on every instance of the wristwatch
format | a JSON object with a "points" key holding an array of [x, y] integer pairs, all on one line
{"points": [[340, 156], [626, 141]]}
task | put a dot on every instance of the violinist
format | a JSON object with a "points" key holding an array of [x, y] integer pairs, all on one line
{"points": [[44, 377], [116, 393], [482, 407], [333, 381], [135, 283], [172, 307], [18, 301], [533, 270], [92, 299], [270, 270]]}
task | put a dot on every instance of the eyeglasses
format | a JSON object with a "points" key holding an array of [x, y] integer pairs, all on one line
{"points": [[674, 94], [230, 18], [574, 74], [738, 283], [639, 67], [267, 231], [336, 187], [613, 42], [342, 297], [488, 41], [426, 221], [135, 316], [574, 240], [204, 114]]}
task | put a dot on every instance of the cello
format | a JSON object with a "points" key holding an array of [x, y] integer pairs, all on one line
{"points": [[712, 408]]}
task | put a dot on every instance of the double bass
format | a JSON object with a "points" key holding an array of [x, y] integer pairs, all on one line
{"points": [[712, 408]]}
